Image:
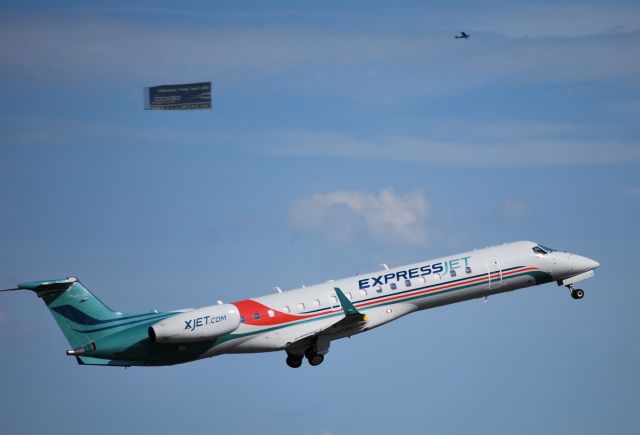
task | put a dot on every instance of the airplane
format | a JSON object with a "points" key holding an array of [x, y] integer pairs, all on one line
{"points": [[463, 35], [302, 322]]}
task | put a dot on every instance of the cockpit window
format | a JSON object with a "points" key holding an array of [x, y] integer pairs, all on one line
{"points": [[542, 250]]}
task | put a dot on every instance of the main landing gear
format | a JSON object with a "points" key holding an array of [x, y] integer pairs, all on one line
{"points": [[294, 361], [314, 353], [576, 293]]}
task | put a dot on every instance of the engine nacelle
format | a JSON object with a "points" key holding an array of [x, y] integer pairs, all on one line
{"points": [[202, 324]]}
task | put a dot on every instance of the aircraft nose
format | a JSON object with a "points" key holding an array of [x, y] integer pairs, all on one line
{"points": [[587, 263]]}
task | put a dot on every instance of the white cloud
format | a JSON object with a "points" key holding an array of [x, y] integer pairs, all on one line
{"points": [[386, 217], [364, 63], [47, 131], [559, 20], [453, 143], [519, 152], [89, 47]]}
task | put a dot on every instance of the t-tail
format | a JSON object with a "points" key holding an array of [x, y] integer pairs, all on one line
{"points": [[97, 335]]}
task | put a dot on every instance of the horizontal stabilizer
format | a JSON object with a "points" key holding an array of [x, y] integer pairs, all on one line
{"points": [[43, 288], [89, 361]]}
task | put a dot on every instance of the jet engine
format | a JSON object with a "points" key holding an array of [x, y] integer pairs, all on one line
{"points": [[202, 324]]}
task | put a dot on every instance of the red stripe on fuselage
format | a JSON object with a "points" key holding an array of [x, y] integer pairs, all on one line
{"points": [[248, 308], [442, 287]]}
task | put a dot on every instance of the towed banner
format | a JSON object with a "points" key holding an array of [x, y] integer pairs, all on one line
{"points": [[178, 97]]}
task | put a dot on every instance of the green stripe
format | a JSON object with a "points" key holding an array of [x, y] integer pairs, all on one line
{"points": [[540, 278]]}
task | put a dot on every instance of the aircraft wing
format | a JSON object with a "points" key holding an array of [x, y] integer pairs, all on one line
{"points": [[353, 320]]}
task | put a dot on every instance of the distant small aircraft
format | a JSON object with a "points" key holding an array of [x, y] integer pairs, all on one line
{"points": [[463, 35]]}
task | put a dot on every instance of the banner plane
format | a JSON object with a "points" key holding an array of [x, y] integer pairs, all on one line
{"points": [[188, 96]]}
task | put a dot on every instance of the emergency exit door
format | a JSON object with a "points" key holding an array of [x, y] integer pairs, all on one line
{"points": [[494, 272]]}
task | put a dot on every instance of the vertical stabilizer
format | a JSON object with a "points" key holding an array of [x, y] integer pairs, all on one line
{"points": [[74, 308]]}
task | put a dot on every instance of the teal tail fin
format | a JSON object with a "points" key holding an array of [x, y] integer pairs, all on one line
{"points": [[97, 334], [74, 308]]}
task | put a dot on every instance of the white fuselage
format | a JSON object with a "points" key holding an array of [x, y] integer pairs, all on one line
{"points": [[279, 321]]}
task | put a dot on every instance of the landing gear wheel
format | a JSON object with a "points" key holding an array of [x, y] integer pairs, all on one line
{"points": [[316, 360], [310, 352], [294, 361], [577, 293], [313, 356]]}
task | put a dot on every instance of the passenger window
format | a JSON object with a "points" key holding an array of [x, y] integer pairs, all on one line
{"points": [[241, 319], [407, 283], [316, 302], [333, 299], [286, 309], [271, 313], [348, 295], [378, 289], [453, 273], [256, 316], [393, 286], [363, 292], [468, 269], [424, 280], [301, 306]]}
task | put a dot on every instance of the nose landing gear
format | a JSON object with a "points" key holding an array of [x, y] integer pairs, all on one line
{"points": [[576, 293]]}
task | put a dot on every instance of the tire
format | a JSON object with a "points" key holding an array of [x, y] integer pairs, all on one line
{"points": [[294, 362], [310, 352], [316, 360]]}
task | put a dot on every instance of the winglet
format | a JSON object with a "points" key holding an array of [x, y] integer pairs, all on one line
{"points": [[347, 306]]}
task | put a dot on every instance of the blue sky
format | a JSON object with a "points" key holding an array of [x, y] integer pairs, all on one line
{"points": [[341, 137]]}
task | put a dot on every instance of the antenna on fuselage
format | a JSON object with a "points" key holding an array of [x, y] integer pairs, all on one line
{"points": [[219, 302], [278, 288], [385, 266]]}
